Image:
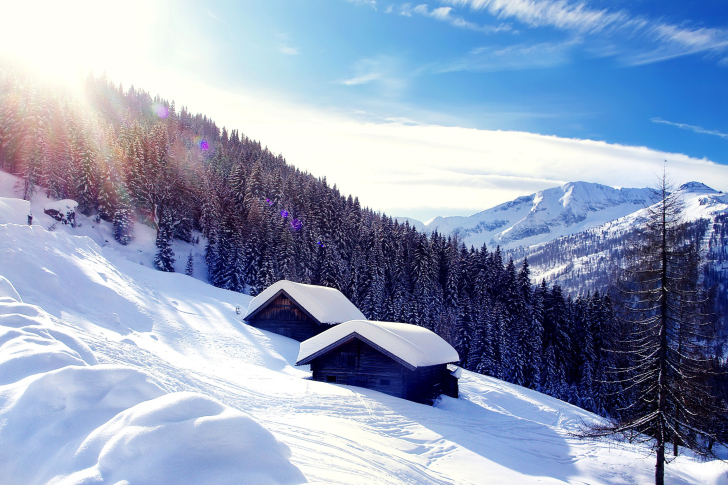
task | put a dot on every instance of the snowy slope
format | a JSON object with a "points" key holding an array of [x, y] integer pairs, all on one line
{"points": [[113, 371], [542, 216]]}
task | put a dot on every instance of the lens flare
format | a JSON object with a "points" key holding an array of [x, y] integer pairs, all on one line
{"points": [[161, 110], [284, 214]]}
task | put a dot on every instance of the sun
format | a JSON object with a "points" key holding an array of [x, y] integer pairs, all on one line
{"points": [[63, 40]]}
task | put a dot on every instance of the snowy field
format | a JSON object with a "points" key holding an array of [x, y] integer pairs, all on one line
{"points": [[113, 372]]}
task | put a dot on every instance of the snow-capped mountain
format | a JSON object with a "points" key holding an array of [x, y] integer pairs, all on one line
{"points": [[548, 214], [584, 260]]}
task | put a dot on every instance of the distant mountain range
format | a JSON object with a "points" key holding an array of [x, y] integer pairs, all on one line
{"points": [[561, 211]]}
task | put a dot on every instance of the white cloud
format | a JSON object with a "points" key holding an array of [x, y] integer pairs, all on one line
{"points": [[514, 57], [369, 3], [555, 13], [421, 170], [289, 51], [444, 14], [663, 40], [696, 129], [385, 71], [425, 170]]}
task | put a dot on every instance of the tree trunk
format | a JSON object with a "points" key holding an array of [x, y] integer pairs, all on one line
{"points": [[662, 384], [660, 466]]}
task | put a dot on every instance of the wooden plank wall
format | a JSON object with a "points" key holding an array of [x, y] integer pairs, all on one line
{"points": [[358, 364], [372, 369], [283, 317]]}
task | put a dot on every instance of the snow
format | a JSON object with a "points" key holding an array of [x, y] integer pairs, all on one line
{"points": [[62, 206], [66, 419], [14, 211], [415, 345], [180, 385], [543, 216], [327, 305], [700, 201]]}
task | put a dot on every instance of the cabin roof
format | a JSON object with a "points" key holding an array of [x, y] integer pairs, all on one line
{"points": [[325, 305], [409, 344]]}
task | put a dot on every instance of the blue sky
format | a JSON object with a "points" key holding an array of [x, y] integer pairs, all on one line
{"points": [[477, 101], [647, 73]]}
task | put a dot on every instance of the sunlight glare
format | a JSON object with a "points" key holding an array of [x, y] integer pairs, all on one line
{"points": [[63, 40]]}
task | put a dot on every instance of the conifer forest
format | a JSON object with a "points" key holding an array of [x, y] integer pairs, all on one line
{"points": [[126, 156]]}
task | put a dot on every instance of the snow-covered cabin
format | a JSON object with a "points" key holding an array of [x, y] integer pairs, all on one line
{"points": [[399, 359], [299, 311]]}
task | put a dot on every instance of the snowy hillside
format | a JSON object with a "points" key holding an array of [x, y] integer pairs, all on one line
{"points": [[111, 371], [542, 216]]}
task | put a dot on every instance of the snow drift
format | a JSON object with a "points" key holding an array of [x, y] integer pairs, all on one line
{"points": [[66, 419]]}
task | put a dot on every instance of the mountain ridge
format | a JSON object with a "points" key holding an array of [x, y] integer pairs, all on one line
{"points": [[548, 214]]}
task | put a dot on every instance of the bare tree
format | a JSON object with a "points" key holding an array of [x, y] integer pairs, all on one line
{"points": [[667, 338]]}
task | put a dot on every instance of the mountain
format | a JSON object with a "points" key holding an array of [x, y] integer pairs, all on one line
{"points": [[542, 216], [553, 213], [584, 261], [114, 372]]}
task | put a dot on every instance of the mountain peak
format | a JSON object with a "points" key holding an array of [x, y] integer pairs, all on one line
{"points": [[697, 187]]}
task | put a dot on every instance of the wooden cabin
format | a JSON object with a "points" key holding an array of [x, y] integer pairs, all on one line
{"points": [[299, 311], [398, 359]]}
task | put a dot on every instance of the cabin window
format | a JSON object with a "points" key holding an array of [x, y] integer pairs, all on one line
{"points": [[348, 359], [384, 382], [330, 378]]}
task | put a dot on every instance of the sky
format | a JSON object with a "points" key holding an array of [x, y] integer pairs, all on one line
{"points": [[421, 109]]}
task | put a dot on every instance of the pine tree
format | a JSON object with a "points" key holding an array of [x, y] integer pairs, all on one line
{"points": [[190, 268], [164, 259], [669, 337], [123, 218]]}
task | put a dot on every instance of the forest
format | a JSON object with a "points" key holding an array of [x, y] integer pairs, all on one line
{"points": [[126, 156]]}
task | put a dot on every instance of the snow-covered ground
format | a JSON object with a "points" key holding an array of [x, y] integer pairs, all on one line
{"points": [[113, 372]]}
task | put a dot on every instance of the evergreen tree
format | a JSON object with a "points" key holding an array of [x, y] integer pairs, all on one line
{"points": [[123, 219], [190, 268], [669, 337], [164, 259]]}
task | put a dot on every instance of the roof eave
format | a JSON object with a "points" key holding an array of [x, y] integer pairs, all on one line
{"points": [[349, 337], [276, 295]]}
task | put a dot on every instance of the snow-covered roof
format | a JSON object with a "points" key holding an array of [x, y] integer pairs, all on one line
{"points": [[327, 305], [411, 345]]}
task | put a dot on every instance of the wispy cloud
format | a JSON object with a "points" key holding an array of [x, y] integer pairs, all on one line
{"points": [[285, 46], [514, 58], [289, 51], [212, 15], [554, 13], [382, 70], [696, 129], [445, 14], [658, 40], [370, 3]]}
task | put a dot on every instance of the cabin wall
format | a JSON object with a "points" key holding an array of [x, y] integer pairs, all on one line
{"points": [[369, 368], [356, 363], [424, 384], [282, 316]]}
